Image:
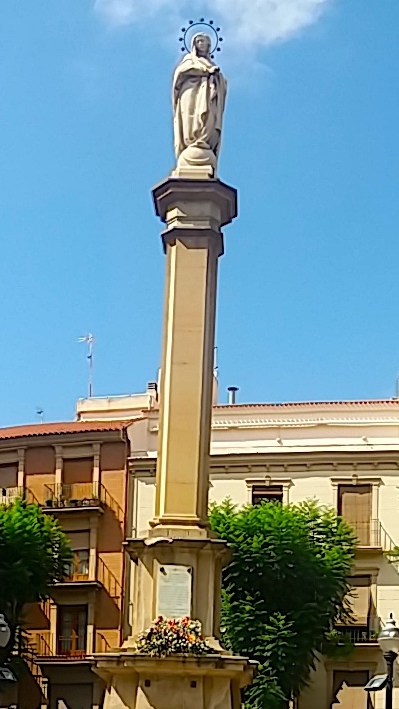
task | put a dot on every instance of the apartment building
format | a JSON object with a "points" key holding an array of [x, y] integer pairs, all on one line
{"points": [[77, 472], [344, 454]]}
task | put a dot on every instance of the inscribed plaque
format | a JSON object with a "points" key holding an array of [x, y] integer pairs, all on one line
{"points": [[174, 591]]}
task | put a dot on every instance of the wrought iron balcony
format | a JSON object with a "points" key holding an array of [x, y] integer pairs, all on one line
{"points": [[8, 495], [364, 631], [359, 635], [79, 570], [68, 647], [368, 533], [58, 497]]}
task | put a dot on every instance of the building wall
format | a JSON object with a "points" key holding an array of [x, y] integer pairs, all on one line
{"points": [[86, 467], [309, 452]]}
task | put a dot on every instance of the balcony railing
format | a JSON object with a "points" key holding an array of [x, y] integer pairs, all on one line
{"points": [[359, 635], [79, 570], [42, 644], [74, 495], [108, 579], [92, 494], [8, 495], [102, 644], [369, 534], [71, 647]]}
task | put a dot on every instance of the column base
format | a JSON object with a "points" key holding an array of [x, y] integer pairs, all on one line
{"points": [[141, 682]]}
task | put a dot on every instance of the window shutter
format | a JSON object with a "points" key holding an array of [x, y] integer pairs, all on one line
{"points": [[79, 540], [8, 475], [355, 507], [77, 470], [360, 600]]}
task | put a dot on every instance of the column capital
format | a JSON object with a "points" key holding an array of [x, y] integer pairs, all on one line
{"points": [[189, 205]]}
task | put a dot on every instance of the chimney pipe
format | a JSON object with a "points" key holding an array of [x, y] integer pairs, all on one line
{"points": [[232, 394]]}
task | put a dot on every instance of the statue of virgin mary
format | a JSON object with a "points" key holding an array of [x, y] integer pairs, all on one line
{"points": [[199, 94]]}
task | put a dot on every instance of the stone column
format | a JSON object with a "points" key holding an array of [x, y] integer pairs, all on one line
{"points": [[93, 541], [21, 468], [58, 468], [96, 470], [194, 210], [179, 541]]}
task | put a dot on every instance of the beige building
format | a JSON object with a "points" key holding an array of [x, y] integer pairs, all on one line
{"points": [[344, 454]]}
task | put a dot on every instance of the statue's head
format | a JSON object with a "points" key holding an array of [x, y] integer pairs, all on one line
{"points": [[201, 45]]}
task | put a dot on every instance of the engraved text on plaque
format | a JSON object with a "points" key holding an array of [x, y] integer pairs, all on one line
{"points": [[174, 591]]}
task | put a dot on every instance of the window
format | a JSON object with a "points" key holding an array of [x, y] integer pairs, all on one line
{"points": [[354, 504], [360, 627], [266, 493], [77, 470], [79, 567], [72, 627], [77, 480], [348, 690], [8, 482]]}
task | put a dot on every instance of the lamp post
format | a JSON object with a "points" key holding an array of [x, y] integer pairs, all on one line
{"points": [[388, 640], [5, 632]]}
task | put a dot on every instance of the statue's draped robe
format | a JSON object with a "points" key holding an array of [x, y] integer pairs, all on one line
{"points": [[198, 102]]}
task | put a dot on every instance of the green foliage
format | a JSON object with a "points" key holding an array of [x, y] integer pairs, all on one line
{"points": [[34, 553], [283, 590], [337, 645]]}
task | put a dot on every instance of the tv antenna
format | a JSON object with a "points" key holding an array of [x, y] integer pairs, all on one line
{"points": [[89, 339], [40, 413]]}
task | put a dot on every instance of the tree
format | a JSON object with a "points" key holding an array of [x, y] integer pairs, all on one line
{"points": [[34, 554], [283, 590]]}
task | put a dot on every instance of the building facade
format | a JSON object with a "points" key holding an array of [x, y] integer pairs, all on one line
{"points": [[345, 455], [97, 476], [76, 472]]}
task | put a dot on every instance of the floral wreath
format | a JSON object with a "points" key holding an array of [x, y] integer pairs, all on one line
{"points": [[180, 636]]}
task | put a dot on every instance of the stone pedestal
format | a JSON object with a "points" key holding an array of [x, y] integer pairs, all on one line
{"points": [[203, 558], [209, 682]]}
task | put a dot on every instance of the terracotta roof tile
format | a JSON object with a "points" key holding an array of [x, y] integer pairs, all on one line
{"points": [[60, 427]]}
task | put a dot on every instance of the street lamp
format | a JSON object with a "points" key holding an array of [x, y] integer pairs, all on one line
{"points": [[388, 640], [5, 632], [5, 635]]}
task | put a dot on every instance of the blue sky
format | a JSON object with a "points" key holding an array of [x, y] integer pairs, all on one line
{"points": [[308, 303]]}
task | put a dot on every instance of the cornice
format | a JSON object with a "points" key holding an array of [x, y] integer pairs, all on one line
{"points": [[365, 464], [301, 421]]}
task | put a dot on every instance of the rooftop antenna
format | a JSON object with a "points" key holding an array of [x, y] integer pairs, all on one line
{"points": [[40, 413], [397, 387], [89, 339]]}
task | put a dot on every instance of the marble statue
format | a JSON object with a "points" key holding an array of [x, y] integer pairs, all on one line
{"points": [[199, 94]]}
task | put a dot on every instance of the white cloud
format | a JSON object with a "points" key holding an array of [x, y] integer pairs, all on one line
{"points": [[247, 22]]}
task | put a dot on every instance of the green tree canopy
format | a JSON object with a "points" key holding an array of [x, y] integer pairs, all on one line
{"points": [[283, 589], [34, 553]]}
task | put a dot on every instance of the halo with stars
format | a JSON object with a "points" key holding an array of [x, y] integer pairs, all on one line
{"points": [[210, 26]]}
